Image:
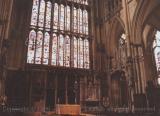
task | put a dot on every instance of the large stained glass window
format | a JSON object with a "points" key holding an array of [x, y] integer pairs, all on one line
{"points": [[59, 34], [156, 47]]}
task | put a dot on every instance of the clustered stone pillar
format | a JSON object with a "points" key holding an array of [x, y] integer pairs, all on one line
{"points": [[129, 55], [5, 16]]}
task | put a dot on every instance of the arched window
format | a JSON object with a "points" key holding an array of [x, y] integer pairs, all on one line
{"points": [[31, 46], [57, 33], [156, 47], [122, 50], [39, 41]]}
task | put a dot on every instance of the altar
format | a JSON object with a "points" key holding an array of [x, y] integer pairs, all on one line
{"points": [[68, 109]]}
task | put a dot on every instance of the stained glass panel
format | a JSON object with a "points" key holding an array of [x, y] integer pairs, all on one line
{"points": [[54, 49], [31, 47], [75, 52], [41, 13], [39, 42], [55, 21], [67, 51], [48, 15], [80, 53], [85, 22], [46, 49], [60, 50], [86, 54], [80, 21], [75, 20], [34, 12], [67, 15], [62, 18]]}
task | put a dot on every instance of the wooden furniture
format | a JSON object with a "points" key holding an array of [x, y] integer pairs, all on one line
{"points": [[67, 109]]}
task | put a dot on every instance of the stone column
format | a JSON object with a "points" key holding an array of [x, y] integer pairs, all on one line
{"points": [[129, 54]]}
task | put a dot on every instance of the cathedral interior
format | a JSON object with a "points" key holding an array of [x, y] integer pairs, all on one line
{"points": [[79, 57]]}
